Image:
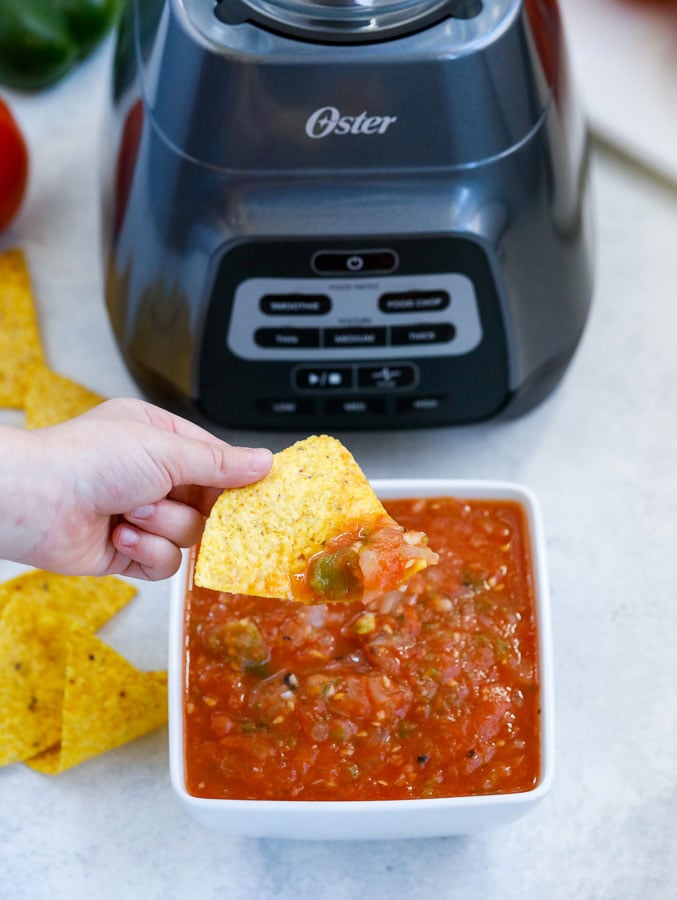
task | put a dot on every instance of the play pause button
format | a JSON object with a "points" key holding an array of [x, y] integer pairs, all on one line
{"points": [[320, 379]]}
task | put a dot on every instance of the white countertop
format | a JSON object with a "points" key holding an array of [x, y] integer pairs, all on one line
{"points": [[601, 454], [624, 54]]}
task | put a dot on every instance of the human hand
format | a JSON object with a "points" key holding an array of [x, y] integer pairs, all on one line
{"points": [[117, 490]]}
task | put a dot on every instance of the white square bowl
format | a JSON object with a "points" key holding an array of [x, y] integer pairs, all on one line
{"points": [[377, 819]]}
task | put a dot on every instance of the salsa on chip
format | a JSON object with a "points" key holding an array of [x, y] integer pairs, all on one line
{"points": [[312, 530]]}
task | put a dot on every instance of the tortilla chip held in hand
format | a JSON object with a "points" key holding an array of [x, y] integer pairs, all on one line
{"points": [[312, 530]]}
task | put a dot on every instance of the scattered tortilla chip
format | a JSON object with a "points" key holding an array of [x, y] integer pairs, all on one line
{"points": [[33, 652], [107, 702], [262, 539], [91, 600], [46, 762], [52, 398], [20, 346]]}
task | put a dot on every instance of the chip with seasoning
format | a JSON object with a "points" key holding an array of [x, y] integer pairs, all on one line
{"points": [[107, 702], [312, 530], [33, 650], [52, 398], [91, 600], [20, 345]]}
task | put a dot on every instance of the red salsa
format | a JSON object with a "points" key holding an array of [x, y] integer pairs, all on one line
{"points": [[362, 563], [431, 690]]}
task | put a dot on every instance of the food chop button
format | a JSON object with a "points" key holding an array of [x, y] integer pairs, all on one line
{"points": [[414, 301]]}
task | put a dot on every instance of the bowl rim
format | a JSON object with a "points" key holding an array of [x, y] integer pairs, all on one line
{"points": [[390, 488]]}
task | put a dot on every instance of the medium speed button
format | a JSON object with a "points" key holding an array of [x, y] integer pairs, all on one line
{"points": [[354, 262]]}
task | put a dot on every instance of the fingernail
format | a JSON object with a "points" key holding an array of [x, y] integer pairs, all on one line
{"points": [[259, 460], [143, 512], [128, 537]]}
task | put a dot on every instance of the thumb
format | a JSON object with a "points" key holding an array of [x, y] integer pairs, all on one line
{"points": [[212, 463]]}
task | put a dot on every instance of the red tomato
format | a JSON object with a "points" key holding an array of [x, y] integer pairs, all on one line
{"points": [[13, 166]]}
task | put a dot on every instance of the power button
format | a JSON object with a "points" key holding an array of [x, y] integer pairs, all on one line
{"points": [[354, 262]]}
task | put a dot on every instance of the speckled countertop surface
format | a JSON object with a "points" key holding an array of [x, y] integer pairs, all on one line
{"points": [[601, 454]]}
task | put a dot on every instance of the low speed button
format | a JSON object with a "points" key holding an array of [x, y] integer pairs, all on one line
{"points": [[284, 406], [431, 333]]}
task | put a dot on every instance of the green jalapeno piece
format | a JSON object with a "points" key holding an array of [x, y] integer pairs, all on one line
{"points": [[240, 642], [335, 576]]}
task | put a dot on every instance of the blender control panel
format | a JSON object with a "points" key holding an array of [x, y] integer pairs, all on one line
{"points": [[393, 317], [305, 334]]}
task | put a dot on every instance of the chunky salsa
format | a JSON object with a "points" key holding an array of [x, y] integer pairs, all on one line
{"points": [[431, 690], [363, 562]]}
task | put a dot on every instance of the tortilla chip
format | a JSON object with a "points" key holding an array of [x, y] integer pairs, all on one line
{"points": [[107, 702], [52, 398], [258, 537], [90, 600], [46, 762], [33, 652], [20, 346]]}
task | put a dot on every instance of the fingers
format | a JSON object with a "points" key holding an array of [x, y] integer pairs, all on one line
{"points": [[176, 522], [149, 537], [143, 555]]}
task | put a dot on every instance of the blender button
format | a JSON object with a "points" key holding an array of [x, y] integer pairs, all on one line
{"points": [[354, 337], [414, 301], [321, 379], [354, 262], [295, 304], [423, 333], [420, 404], [280, 406], [287, 337], [353, 406], [387, 377]]}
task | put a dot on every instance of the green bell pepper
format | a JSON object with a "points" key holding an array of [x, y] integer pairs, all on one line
{"points": [[41, 40]]}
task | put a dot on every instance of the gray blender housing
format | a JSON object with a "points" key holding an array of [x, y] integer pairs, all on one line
{"points": [[324, 215]]}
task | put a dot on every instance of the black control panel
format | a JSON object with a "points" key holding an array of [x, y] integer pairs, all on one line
{"points": [[338, 334]]}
